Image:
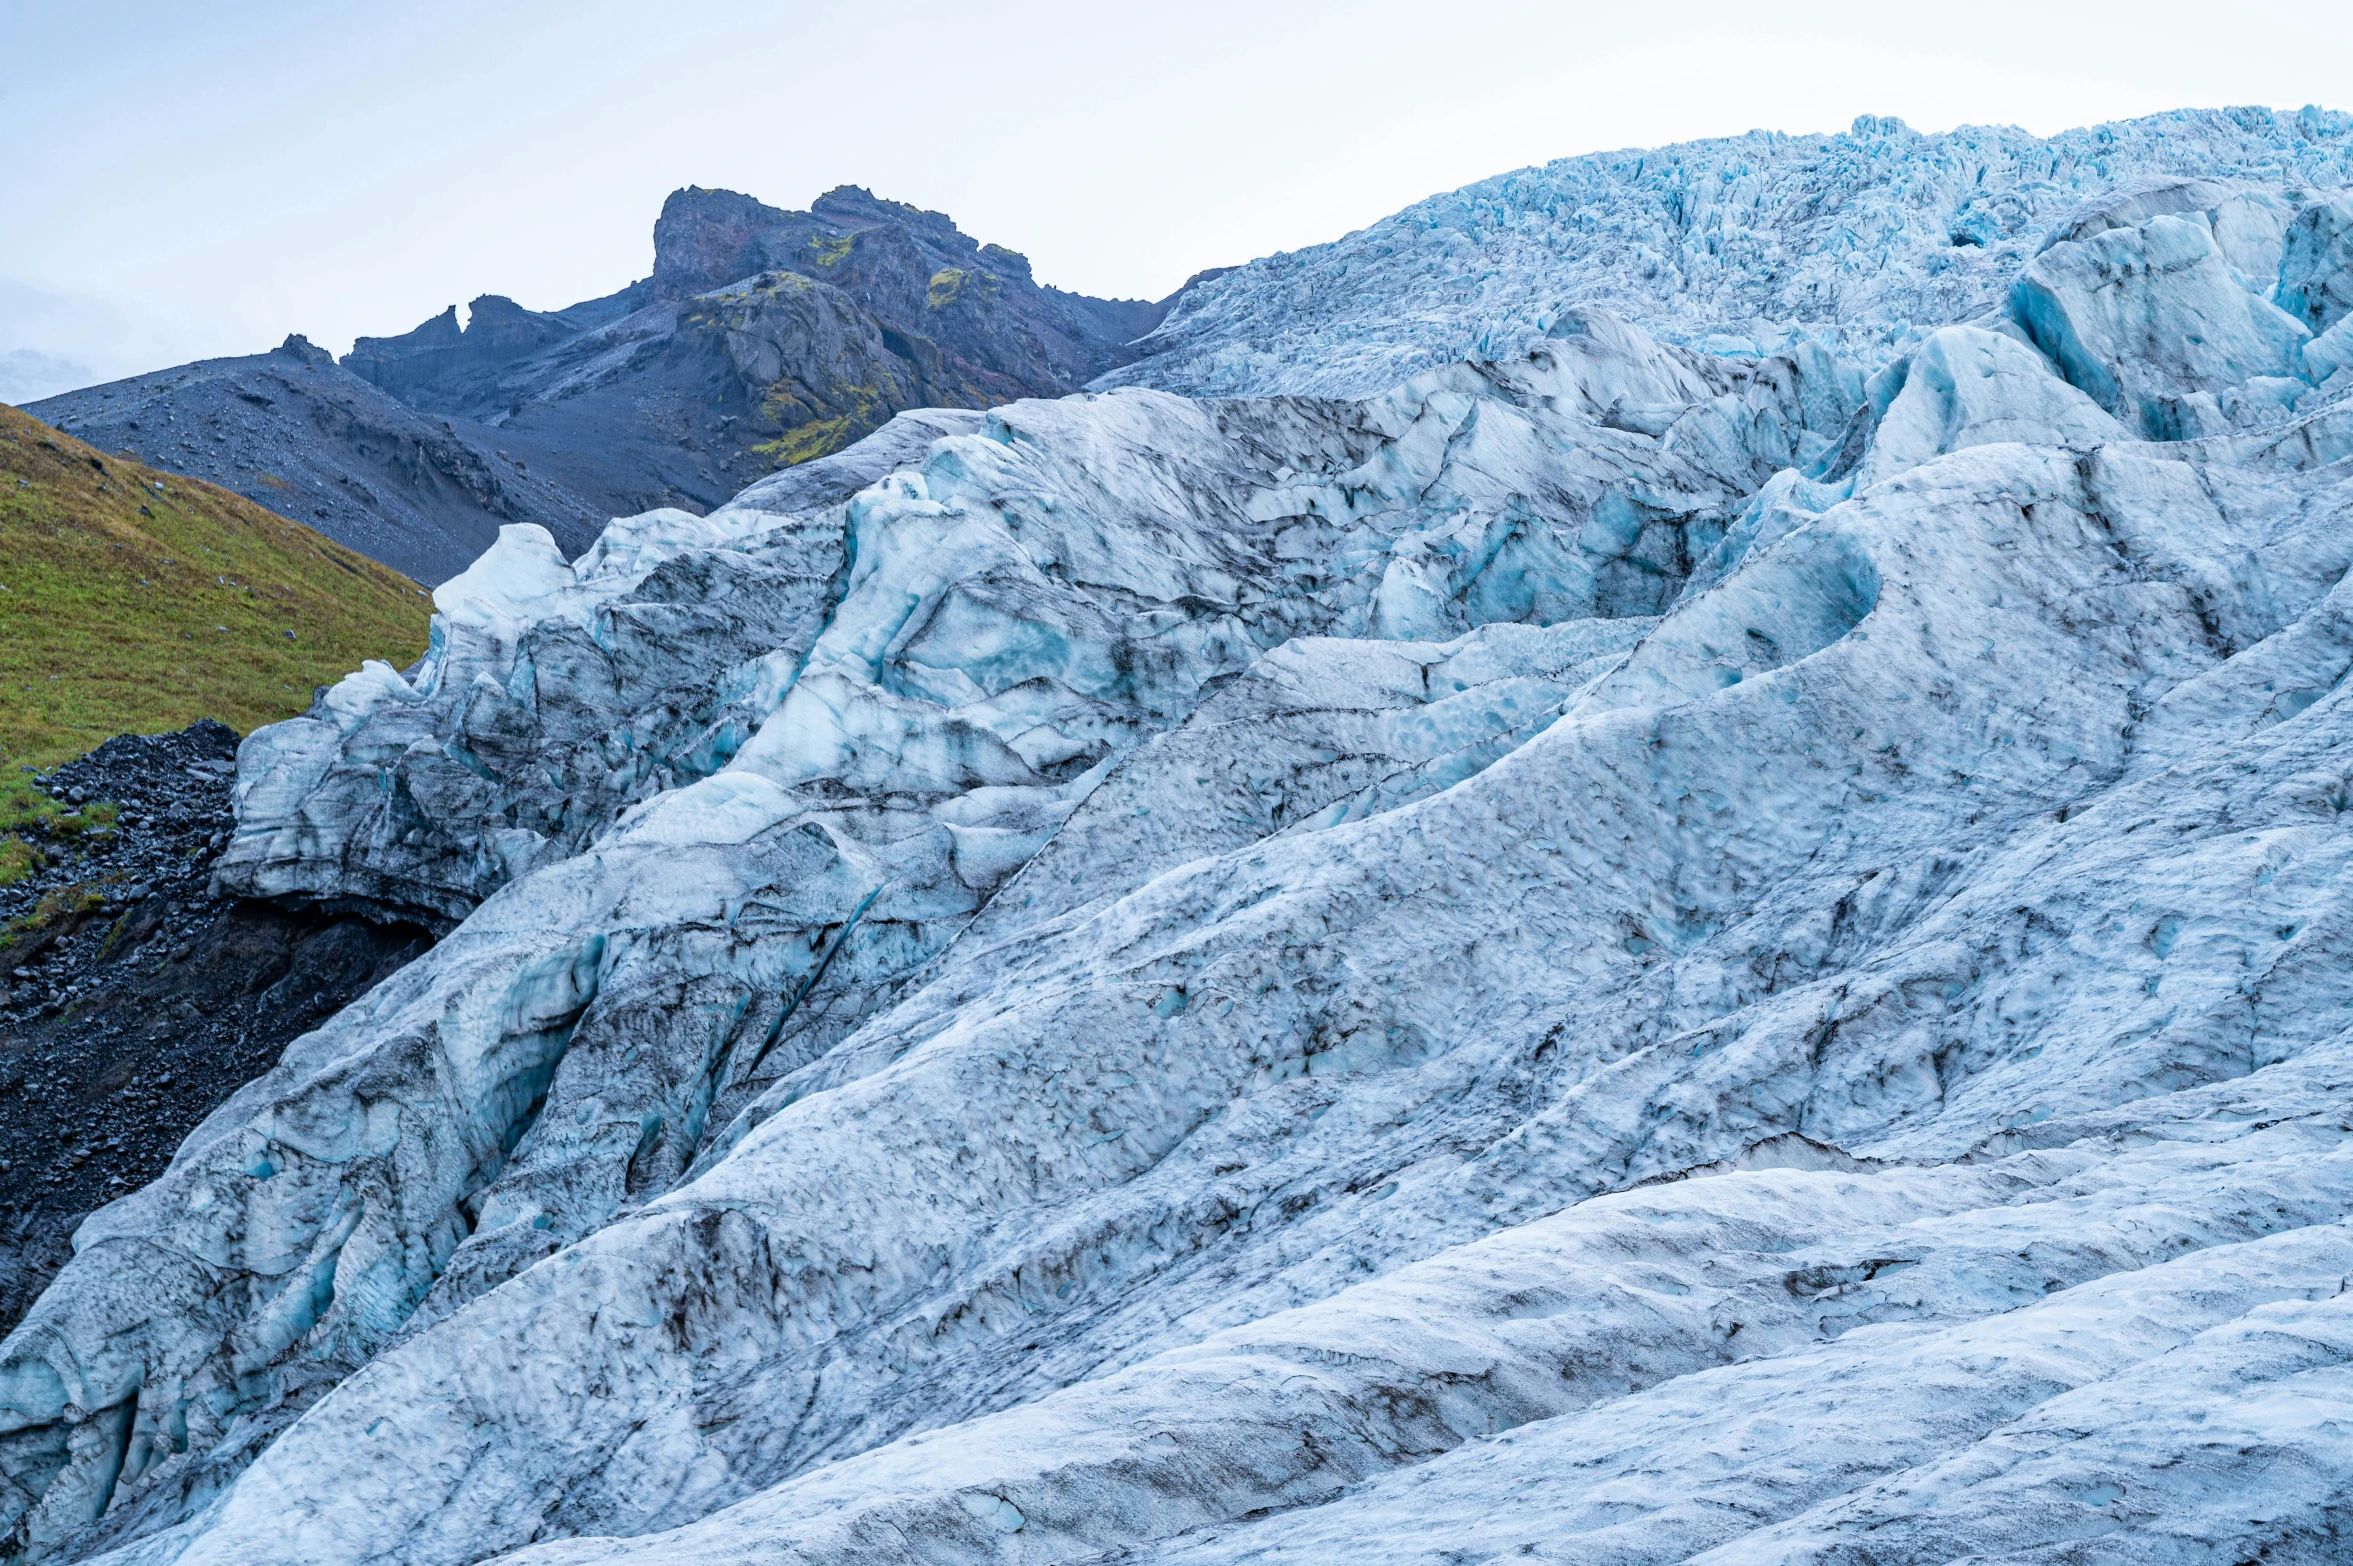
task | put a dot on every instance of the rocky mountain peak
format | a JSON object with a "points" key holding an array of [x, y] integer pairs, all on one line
{"points": [[302, 350], [854, 206], [707, 238], [678, 390]]}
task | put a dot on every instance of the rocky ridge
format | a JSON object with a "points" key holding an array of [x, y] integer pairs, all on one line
{"points": [[1266, 977], [297, 434], [912, 270], [764, 338]]}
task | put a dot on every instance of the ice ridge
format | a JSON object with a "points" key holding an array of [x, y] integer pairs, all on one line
{"points": [[1866, 239]]}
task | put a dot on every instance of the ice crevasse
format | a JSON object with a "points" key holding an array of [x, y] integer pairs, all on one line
{"points": [[1610, 953]]}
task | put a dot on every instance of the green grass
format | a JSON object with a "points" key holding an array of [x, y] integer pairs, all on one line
{"points": [[814, 439], [951, 284], [124, 609]]}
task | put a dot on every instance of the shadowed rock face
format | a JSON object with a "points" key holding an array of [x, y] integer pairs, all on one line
{"points": [[447, 368], [682, 403]]}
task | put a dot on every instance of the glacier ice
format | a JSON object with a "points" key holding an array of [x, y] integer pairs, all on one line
{"points": [[1970, 387], [1609, 952], [2315, 285], [1027, 595], [2137, 317], [1866, 239]]}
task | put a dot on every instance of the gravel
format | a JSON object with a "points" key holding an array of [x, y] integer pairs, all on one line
{"points": [[133, 1001]]}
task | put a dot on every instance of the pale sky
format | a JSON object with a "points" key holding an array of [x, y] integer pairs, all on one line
{"points": [[187, 180]]}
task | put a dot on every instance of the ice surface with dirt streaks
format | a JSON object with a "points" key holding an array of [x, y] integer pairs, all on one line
{"points": [[1608, 955]]}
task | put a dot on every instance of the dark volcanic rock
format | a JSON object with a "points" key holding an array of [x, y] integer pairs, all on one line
{"points": [[457, 370], [764, 338], [914, 271], [293, 431], [684, 403], [132, 1002]]}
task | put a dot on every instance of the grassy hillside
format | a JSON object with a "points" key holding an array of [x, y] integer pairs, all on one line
{"points": [[137, 601]]}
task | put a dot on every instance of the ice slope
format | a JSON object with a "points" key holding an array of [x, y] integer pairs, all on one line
{"points": [[1058, 580], [1866, 239], [1605, 955]]}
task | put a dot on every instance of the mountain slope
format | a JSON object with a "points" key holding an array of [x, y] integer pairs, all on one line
{"points": [[1866, 239], [684, 402], [132, 1002], [763, 339], [292, 431], [140, 601]]}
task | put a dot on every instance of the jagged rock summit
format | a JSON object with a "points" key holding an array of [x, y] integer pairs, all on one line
{"points": [[1607, 953], [911, 269], [764, 338]]}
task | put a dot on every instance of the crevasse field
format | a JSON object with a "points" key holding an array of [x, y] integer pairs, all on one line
{"points": [[1654, 864]]}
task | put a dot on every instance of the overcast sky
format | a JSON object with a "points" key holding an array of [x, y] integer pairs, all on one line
{"points": [[182, 180]]}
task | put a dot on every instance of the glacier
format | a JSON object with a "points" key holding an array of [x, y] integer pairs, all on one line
{"points": [[1624, 947], [1867, 240]]}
